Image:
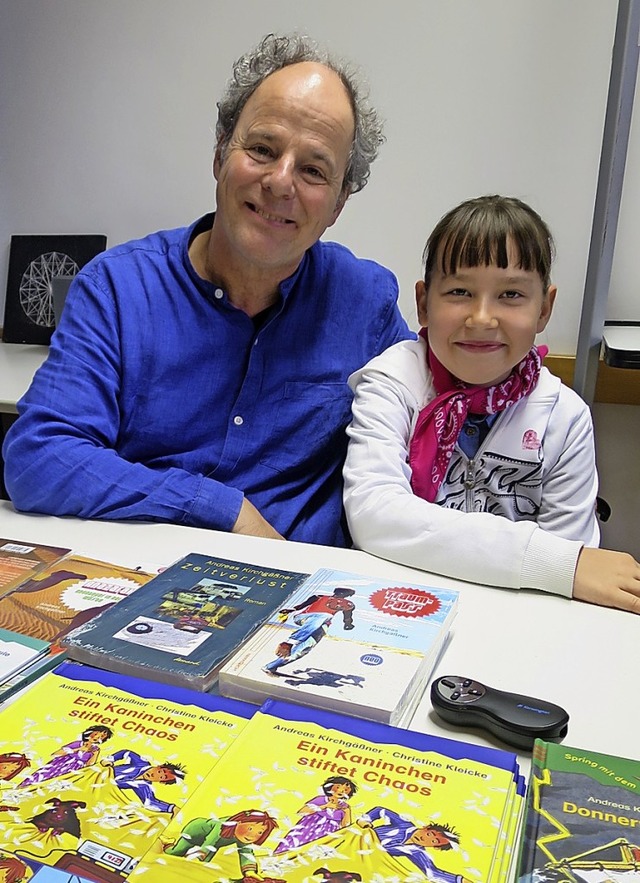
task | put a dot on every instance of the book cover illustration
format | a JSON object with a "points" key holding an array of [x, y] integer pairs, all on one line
{"points": [[304, 796], [187, 620], [348, 643], [20, 560], [94, 765], [14, 870], [17, 652], [65, 595], [583, 818]]}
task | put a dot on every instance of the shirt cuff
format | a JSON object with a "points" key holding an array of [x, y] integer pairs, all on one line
{"points": [[216, 506], [550, 563]]}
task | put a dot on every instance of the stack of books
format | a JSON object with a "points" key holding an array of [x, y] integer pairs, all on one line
{"points": [[52, 599], [186, 621], [128, 778], [348, 643]]}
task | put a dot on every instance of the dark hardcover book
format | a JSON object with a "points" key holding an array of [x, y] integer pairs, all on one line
{"points": [[304, 795], [185, 622], [94, 765], [582, 819]]}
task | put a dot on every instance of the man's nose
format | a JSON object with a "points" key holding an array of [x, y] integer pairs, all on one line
{"points": [[279, 177]]}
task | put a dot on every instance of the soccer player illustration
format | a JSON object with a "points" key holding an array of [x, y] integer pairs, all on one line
{"points": [[133, 772], [400, 837], [313, 617], [322, 814]]}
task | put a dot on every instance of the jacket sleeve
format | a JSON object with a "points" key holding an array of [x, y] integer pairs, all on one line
{"points": [[387, 519], [61, 454]]}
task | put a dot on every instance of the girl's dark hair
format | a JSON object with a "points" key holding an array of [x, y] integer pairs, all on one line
{"points": [[98, 729], [478, 232], [339, 780]]}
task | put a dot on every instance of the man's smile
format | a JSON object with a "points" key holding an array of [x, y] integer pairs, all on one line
{"points": [[276, 219]]}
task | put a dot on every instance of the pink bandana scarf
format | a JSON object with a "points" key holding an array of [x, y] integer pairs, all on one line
{"points": [[440, 422]]}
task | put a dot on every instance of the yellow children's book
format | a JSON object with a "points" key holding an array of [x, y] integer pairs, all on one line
{"points": [[304, 796], [94, 765]]}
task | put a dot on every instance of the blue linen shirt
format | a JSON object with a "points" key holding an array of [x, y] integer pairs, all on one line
{"points": [[160, 401]]}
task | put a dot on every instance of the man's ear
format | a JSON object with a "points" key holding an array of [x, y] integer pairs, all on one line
{"points": [[344, 195], [547, 308], [217, 161], [421, 303]]}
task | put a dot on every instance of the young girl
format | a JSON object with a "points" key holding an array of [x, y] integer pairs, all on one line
{"points": [[466, 456], [72, 757], [322, 814]]}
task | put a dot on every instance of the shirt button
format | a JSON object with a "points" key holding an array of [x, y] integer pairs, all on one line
{"points": [[470, 430], [218, 293], [238, 420]]}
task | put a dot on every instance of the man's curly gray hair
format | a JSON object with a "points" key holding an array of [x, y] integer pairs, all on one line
{"points": [[277, 51]]}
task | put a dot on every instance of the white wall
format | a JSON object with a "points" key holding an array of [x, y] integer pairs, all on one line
{"points": [[107, 109]]}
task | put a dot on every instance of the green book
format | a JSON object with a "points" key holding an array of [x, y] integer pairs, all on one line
{"points": [[583, 817]]}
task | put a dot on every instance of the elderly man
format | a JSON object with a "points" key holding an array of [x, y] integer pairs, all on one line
{"points": [[198, 375]]}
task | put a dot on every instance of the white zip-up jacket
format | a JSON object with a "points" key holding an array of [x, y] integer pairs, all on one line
{"points": [[516, 515]]}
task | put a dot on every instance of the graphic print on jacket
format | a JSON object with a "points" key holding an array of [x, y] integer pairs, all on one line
{"points": [[494, 483]]}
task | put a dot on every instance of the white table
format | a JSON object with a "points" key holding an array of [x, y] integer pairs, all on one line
{"points": [[582, 657], [18, 363]]}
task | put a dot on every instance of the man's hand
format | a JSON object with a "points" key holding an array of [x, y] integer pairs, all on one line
{"points": [[251, 523], [611, 579]]}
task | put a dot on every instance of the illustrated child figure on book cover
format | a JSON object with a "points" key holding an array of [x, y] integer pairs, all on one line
{"points": [[202, 838], [73, 756], [322, 814], [133, 772], [315, 617], [399, 836], [362, 803], [12, 763], [82, 807]]}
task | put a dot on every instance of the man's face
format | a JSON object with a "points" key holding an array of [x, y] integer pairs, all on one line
{"points": [[158, 774], [429, 838], [280, 177]]}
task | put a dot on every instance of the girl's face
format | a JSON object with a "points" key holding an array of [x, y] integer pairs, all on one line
{"points": [[339, 789], [250, 832], [97, 737], [482, 321]]}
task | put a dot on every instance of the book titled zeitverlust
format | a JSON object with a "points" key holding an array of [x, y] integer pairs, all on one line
{"points": [[181, 626]]}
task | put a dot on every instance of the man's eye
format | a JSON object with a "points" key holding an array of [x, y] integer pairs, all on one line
{"points": [[313, 173], [260, 150], [458, 292], [511, 295]]}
